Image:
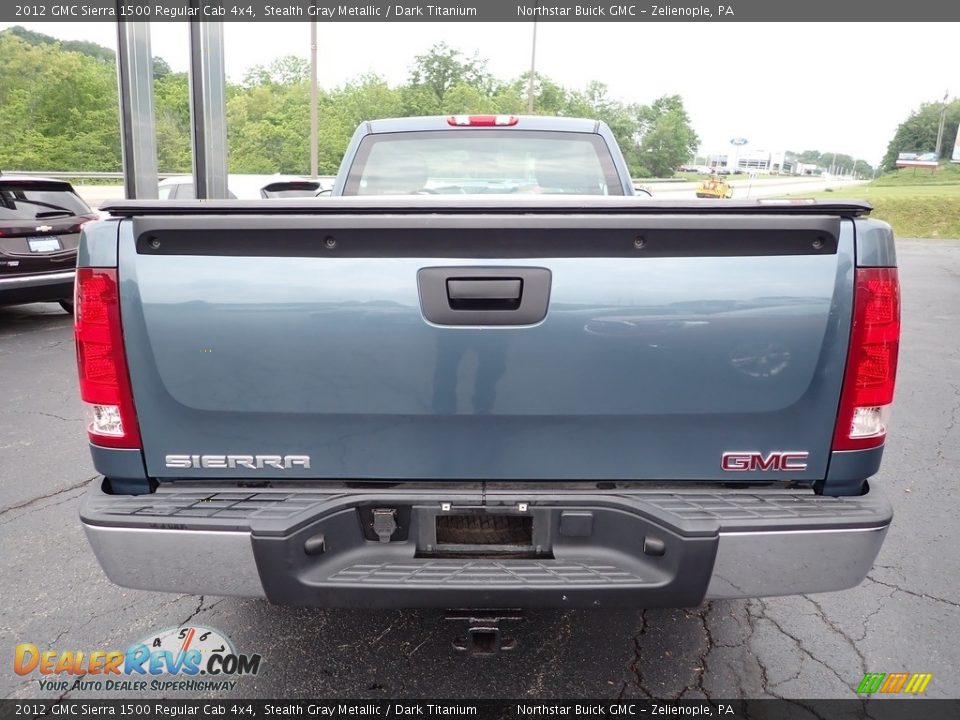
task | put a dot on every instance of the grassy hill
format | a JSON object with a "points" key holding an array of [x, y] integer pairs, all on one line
{"points": [[916, 202]]}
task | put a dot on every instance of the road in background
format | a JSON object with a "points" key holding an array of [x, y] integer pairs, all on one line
{"points": [[903, 618], [759, 188]]}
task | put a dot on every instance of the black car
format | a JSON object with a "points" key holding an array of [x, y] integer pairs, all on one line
{"points": [[40, 221]]}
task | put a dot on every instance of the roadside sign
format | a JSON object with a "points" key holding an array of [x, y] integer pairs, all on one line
{"points": [[924, 160]]}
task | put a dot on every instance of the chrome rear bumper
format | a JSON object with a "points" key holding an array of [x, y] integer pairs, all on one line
{"points": [[164, 542], [764, 564]]}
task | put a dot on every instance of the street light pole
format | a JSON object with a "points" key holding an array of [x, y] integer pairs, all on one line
{"points": [[314, 120], [533, 65]]}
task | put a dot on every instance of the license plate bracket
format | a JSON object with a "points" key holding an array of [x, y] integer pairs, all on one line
{"points": [[49, 243]]}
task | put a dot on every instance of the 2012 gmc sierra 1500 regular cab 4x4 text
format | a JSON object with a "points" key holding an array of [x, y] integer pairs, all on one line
{"points": [[482, 375]]}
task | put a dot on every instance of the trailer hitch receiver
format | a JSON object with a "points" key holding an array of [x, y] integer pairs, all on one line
{"points": [[483, 632]]}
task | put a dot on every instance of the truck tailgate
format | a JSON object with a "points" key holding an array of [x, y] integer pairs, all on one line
{"points": [[664, 342]]}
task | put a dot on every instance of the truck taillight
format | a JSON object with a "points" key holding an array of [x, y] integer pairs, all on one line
{"points": [[871, 362], [101, 362], [483, 120]]}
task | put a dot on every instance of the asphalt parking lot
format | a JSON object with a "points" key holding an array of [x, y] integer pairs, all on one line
{"points": [[904, 617]]}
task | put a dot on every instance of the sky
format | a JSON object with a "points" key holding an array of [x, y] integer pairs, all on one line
{"points": [[832, 87]]}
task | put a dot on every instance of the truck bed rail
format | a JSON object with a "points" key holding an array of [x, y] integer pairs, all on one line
{"points": [[492, 204]]}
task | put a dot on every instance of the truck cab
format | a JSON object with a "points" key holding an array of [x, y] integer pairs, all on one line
{"points": [[483, 155]]}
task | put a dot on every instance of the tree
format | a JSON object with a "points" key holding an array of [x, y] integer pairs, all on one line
{"points": [[367, 98], [59, 108], [837, 162], [918, 133], [443, 68], [810, 157], [84, 47], [160, 68], [666, 137], [171, 102], [549, 98], [287, 70]]}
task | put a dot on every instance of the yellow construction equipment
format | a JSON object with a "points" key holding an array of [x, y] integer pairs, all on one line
{"points": [[714, 187]]}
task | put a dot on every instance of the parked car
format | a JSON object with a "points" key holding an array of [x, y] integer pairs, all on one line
{"points": [[40, 222], [245, 187]]}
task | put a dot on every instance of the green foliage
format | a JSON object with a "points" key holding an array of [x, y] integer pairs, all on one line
{"points": [[918, 133], [83, 47], [59, 105], [268, 121], [443, 68], [945, 174], [59, 108], [667, 139], [171, 100], [840, 163], [922, 204]]}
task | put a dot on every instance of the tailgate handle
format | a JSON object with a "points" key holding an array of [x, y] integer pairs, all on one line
{"points": [[484, 293], [484, 296]]}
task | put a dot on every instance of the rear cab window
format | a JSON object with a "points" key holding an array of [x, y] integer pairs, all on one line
{"points": [[488, 161]]}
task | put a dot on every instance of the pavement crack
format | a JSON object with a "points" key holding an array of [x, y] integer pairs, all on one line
{"points": [[50, 415], [765, 685], [799, 643], [869, 616], [37, 499], [53, 643], [922, 596], [196, 612], [635, 665], [701, 669], [821, 613], [66, 499]]}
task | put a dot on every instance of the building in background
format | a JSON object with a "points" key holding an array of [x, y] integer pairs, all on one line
{"points": [[763, 162]]}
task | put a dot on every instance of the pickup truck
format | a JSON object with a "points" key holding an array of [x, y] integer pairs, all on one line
{"points": [[481, 375]]}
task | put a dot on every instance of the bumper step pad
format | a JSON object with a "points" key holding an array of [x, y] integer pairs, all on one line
{"points": [[625, 547]]}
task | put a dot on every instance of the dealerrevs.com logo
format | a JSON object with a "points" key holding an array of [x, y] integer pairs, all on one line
{"points": [[190, 658]]}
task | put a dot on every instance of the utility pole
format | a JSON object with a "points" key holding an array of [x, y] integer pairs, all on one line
{"points": [[943, 117], [314, 129], [533, 65]]}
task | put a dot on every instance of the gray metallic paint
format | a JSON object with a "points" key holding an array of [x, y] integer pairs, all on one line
{"points": [[530, 123], [875, 244], [641, 370], [853, 465], [118, 463], [98, 244]]}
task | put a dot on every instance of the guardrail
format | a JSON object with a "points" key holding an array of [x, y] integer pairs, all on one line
{"points": [[97, 175], [74, 174]]}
